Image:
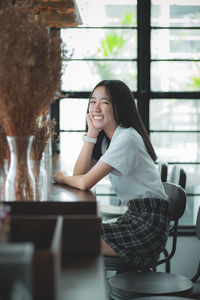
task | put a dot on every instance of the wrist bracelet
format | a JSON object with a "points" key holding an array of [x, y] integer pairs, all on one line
{"points": [[85, 138]]}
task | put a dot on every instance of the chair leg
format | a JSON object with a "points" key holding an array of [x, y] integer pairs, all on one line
{"points": [[167, 264]]}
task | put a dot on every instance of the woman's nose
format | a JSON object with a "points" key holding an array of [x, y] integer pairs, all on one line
{"points": [[97, 106]]}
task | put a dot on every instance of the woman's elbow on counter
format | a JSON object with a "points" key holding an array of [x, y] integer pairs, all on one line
{"points": [[85, 185]]}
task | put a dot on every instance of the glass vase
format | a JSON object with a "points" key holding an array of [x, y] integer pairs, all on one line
{"points": [[40, 175], [3, 174], [20, 182], [2, 184]]}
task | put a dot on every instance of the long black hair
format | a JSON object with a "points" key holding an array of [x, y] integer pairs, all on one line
{"points": [[125, 114]]}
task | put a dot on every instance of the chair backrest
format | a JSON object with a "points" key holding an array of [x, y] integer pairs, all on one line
{"points": [[178, 176], [198, 224], [197, 275], [163, 169], [177, 200]]}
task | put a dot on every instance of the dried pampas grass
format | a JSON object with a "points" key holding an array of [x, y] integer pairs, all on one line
{"points": [[30, 66]]}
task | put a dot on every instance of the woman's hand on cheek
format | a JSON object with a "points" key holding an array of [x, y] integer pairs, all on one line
{"points": [[59, 177], [92, 131], [89, 121]]}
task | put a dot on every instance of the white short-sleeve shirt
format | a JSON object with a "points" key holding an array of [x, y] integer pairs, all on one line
{"points": [[135, 174]]}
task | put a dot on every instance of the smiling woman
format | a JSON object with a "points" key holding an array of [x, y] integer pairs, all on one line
{"points": [[116, 143]]}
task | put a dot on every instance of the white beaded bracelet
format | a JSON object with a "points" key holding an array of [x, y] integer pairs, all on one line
{"points": [[85, 138]]}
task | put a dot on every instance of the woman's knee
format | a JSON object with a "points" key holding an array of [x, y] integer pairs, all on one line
{"points": [[106, 249]]}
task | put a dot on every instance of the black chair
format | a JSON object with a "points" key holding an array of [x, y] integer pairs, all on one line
{"points": [[197, 275], [177, 203], [161, 298], [178, 176], [129, 285], [163, 170], [196, 282]]}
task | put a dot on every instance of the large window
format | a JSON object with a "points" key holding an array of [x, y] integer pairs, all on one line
{"points": [[175, 91], [154, 46]]}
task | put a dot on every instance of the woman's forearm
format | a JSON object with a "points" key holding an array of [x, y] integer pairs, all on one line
{"points": [[84, 161], [85, 181], [76, 182]]}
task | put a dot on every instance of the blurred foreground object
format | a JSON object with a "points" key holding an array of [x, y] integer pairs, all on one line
{"points": [[57, 14], [30, 64]]}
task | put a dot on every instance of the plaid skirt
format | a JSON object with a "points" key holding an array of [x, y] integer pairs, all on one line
{"points": [[139, 235]]}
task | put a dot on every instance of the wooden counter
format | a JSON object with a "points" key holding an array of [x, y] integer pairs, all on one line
{"points": [[82, 266], [61, 192], [67, 265]]}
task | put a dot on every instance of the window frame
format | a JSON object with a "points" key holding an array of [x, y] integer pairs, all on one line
{"points": [[143, 94]]}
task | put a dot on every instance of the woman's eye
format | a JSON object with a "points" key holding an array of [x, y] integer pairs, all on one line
{"points": [[92, 101], [105, 102]]}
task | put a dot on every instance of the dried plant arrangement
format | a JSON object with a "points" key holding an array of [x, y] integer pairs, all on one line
{"points": [[30, 66], [44, 129]]}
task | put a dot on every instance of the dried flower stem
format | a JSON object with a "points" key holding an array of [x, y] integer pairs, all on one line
{"points": [[43, 130]]}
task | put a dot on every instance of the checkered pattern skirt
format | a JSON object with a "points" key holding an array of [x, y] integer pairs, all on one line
{"points": [[139, 235]]}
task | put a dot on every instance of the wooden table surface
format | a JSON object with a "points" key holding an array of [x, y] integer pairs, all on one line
{"points": [[60, 192]]}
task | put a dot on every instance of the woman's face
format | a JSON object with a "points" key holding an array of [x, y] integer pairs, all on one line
{"points": [[101, 110]]}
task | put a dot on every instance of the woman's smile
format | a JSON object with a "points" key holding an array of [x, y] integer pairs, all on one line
{"points": [[97, 117]]}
